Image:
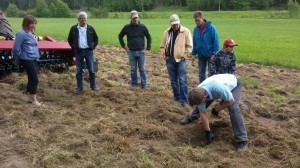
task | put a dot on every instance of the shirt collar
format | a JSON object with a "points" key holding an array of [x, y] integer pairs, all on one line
{"points": [[78, 26]]}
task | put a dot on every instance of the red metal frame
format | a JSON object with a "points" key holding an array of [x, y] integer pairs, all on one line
{"points": [[7, 45], [42, 45]]}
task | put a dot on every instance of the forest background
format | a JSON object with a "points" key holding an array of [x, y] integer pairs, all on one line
{"points": [[276, 22], [121, 126], [101, 8]]}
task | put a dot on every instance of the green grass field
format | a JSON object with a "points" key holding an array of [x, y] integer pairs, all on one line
{"points": [[263, 41]]}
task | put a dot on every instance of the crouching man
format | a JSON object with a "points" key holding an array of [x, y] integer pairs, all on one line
{"points": [[227, 88]]}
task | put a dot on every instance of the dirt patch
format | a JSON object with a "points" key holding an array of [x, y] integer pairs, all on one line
{"points": [[121, 126]]}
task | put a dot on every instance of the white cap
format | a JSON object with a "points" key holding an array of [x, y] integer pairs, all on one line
{"points": [[134, 14], [174, 19]]}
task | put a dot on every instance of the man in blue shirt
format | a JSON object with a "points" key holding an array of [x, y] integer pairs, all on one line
{"points": [[227, 88], [205, 43]]}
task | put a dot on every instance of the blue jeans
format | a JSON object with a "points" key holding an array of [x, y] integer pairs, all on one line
{"points": [[202, 64], [80, 65], [137, 59], [178, 78], [236, 117]]}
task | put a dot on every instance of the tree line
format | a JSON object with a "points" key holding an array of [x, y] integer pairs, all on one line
{"points": [[100, 8], [140, 5]]}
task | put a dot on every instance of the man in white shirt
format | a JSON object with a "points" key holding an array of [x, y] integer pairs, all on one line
{"points": [[83, 39]]}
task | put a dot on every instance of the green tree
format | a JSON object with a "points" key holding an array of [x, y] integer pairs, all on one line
{"points": [[41, 8], [143, 3], [99, 12], [293, 9], [59, 9], [12, 10], [193, 5]]}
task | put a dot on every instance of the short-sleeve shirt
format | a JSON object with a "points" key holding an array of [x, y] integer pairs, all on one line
{"points": [[218, 87]]}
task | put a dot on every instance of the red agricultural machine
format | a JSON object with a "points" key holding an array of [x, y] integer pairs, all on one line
{"points": [[56, 56]]}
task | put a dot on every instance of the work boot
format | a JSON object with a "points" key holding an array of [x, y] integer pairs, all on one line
{"points": [[77, 90], [185, 121], [209, 137], [242, 146], [184, 104], [95, 89]]}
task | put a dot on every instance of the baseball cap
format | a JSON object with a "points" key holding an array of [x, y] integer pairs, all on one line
{"points": [[134, 14], [230, 42], [174, 19]]}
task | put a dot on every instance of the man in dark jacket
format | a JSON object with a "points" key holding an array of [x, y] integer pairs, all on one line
{"points": [[136, 32], [83, 39]]}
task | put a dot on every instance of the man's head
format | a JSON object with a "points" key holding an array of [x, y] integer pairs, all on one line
{"points": [[175, 22], [228, 45], [82, 17], [134, 15], [197, 95], [199, 20]]}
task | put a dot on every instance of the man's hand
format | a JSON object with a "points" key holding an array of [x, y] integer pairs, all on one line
{"points": [[193, 60], [214, 112], [147, 52], [126, 49]]}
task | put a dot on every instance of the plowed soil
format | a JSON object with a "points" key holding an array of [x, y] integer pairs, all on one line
{"points": [[121, 126]]}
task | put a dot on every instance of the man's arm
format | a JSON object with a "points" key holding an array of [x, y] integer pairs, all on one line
{"points": [[70, 38], [96, 40], [121, 35], [213, 65], [204, 120], [194, 51], [149, 39], [232, 68], [188, 44], [224, 105], [163, 44]]}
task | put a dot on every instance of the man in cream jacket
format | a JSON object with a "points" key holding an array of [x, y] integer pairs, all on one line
{"points": [[176, 45]]}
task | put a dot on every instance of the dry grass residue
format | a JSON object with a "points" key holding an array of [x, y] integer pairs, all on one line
{"points": [[121, 126]]}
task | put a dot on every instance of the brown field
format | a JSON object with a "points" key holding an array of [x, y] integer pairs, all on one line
{"points": [[120, 126]]}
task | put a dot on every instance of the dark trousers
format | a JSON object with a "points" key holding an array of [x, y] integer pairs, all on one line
{"points": [[202, 64], [236, 117], [31, 68]]}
